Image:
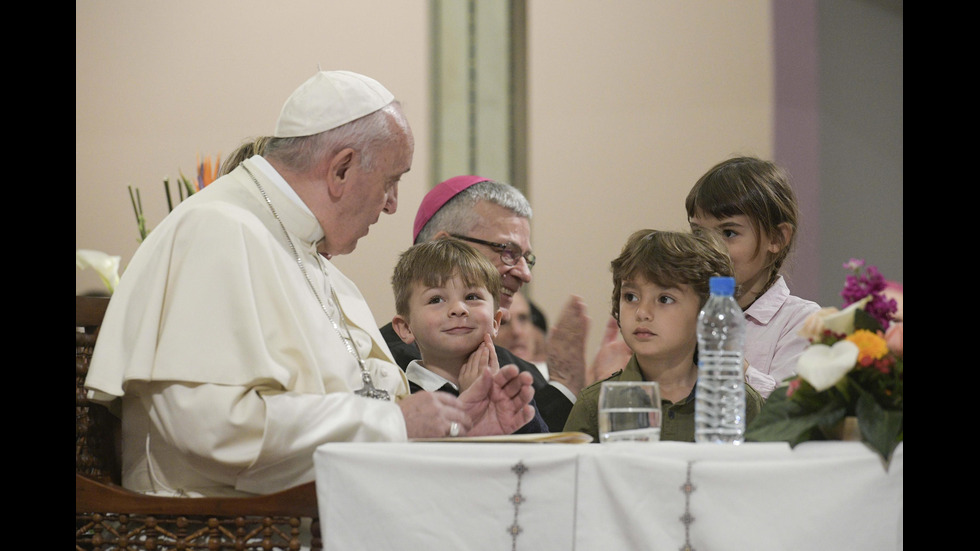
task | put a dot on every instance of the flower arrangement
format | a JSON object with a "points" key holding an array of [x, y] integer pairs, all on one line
{"points": [[854, 367], [206, 173], [107, 266]]}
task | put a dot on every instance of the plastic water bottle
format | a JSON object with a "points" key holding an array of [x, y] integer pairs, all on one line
{"points": [[719, 402]]}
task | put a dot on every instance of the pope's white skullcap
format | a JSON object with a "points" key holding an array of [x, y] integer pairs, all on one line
{"points": [[330, 99]]}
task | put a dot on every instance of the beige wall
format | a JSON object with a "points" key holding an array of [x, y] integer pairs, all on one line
{"points": [[158, 82], [629, 102]]}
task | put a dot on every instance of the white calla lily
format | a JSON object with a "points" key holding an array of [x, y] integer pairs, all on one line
{"points": [[838, 321], [105, 265], [843, 321], [822, 366]]}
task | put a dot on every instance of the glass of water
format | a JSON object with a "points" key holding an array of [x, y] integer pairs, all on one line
{"points": [[629, 411]]}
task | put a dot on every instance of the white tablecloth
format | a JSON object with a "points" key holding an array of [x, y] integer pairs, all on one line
{"points": [[820, 496]]}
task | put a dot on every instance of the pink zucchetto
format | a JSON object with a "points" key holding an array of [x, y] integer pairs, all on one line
{"points": [[330, 99], [439, 196]]}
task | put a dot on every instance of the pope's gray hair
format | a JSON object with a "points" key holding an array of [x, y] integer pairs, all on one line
{"points": [[365, 135]]}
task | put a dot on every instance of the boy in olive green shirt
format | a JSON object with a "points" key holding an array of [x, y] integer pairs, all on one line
{"points": [[660, 284]]}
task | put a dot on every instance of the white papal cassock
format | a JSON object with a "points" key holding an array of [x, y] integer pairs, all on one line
{"points": [[230, 373]]}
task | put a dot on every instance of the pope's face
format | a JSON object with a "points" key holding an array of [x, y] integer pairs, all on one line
{"points": [[372, 191]]}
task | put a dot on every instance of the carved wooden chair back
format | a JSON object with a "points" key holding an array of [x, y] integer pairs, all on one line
{"points": [[108, 516]]}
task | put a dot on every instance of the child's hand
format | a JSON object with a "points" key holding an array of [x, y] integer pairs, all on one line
{"points": [[493, 363], [485, 356]]}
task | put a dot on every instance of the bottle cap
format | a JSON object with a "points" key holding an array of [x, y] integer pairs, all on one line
{"points": [[722, 286]]}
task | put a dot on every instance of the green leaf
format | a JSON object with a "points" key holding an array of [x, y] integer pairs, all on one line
{"points": [[166, 190], [138, 209], [880, 428], [786, 420], [187, 185], [864, 320]]}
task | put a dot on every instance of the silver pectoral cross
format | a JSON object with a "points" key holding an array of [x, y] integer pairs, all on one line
{"points": [[369, 391]]}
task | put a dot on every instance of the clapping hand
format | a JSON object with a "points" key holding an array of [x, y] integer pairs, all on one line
{"points": [[566, 346], [612, 356]]}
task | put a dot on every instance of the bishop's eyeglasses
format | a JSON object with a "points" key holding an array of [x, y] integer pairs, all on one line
{"points": [[510, 254]]}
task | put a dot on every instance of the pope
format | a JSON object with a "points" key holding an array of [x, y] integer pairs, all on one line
{"points": [[233, 346]]}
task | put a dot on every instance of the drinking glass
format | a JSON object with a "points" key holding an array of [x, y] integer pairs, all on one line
{"points": [[629, 411]]}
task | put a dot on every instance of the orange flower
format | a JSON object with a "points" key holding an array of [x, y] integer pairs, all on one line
{"points": [[871, 346], [206, 172]]}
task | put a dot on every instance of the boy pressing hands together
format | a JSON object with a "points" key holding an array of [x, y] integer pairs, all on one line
{"points": [[447, 298]]}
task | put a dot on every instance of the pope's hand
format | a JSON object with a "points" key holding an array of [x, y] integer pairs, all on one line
{"points": [[432, 414], [499, 403]]}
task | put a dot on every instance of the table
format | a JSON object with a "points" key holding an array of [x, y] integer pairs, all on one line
{"points": [[818, 496]]}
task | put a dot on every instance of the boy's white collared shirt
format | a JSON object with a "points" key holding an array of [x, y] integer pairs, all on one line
{"points": [[418, 374]]}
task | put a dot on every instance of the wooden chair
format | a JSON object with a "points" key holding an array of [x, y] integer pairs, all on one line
{"points": [[108, 516]]}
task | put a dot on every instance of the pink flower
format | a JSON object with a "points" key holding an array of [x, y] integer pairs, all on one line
{"points": [[895, 337]]}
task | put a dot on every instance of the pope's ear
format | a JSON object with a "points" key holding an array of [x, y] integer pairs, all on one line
{"points": [[338, 170], [400, 325]]}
